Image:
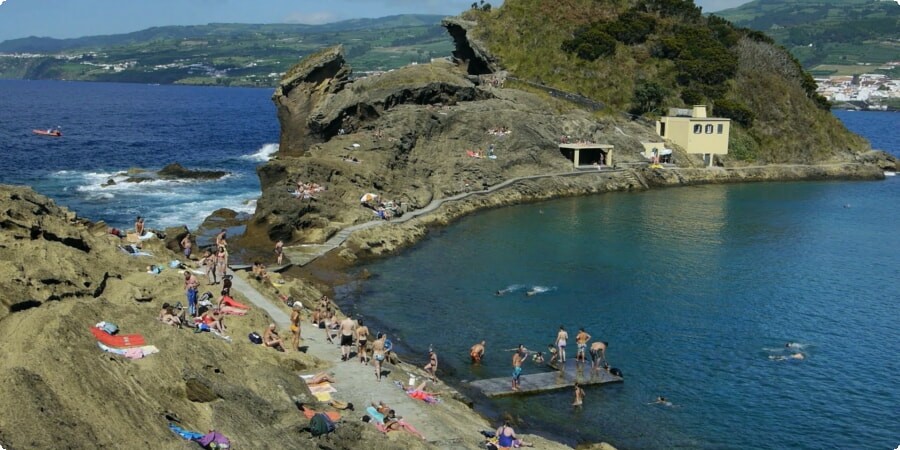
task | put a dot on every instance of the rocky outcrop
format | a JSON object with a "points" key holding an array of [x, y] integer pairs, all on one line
{"points": [[177, 171], [474, 55], [47, 253], [409, 131]]}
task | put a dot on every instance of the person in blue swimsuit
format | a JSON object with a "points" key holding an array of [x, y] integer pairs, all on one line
{"points": [[506, 436], [520, 355]]}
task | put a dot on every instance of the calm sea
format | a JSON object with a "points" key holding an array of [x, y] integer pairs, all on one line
{"points": [[696, 289]]}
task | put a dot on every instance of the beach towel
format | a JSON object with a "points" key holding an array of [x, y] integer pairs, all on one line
{"points": [[189, 435], [128, 340], [131, 353], [376, 416], [323, 396], [309, 413], [133, 251], [228, 301], [321, 387]]}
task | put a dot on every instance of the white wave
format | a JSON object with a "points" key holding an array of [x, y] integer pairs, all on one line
{"points": [[540, 290], [193, 213], [888, 173], [510, 288], [263, 154]]}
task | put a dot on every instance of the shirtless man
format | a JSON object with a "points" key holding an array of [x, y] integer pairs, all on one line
{"points": [[517, 359], [210, 260], [477, 352], [598, 355], [579, 395], [378, 354], [190, 289], [432, 365], [362, 337], [186, 245], [139, 226], [348, 330], [295, 325], [279, 252], [271, 339], [561, 338], [581, 339], [220, 238]]}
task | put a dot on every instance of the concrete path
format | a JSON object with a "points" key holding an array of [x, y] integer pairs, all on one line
{"points": [[356, 382], [302, 255]]}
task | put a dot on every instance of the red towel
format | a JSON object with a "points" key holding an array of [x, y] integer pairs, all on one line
{"points": [[228, 301], [121, 341]]}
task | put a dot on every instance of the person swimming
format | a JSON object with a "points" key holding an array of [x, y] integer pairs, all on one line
{"points": [[661, 401]]}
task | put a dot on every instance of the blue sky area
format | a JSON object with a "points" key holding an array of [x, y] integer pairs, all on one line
{"points": [[75, 18]]}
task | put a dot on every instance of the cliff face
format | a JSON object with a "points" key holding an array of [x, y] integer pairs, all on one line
{"points": [[60, 276], [405, 135], [410, 130]]}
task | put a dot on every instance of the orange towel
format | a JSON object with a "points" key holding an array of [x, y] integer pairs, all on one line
{"points": [[333, 415], [127, 340]]}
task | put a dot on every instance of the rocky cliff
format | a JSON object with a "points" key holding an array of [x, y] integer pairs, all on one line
{"points": [[408, 136], [60, 275]]}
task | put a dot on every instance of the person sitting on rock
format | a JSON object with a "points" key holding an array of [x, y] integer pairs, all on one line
{"points": [[271, 338], [168, 317]]}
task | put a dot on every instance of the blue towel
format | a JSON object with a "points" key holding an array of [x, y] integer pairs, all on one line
{"points": [[189, 435]]}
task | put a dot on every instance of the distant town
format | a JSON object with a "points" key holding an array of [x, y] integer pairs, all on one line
{"points": [[867, 91]]}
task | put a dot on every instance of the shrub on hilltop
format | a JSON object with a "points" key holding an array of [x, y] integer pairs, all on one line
{"points": [[644, 56]]}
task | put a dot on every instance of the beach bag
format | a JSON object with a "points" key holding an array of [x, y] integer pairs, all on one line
{"points": [[255, 338], [109, 327], [320, 424], [206, 296], [175, 264]]}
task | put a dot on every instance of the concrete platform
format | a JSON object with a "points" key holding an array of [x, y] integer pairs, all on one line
{"points": [[533, 383]]}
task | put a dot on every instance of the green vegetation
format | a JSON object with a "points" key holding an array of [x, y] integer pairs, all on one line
{"points": [[645, 56], [826, 32], [225, 54]]}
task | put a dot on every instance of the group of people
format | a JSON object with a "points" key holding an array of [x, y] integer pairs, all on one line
{"points": [[307, 191], [499, 131]]}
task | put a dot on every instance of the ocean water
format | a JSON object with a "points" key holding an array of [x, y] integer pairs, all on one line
{"points": [[697, 290], [694, 288], [109, 128]]}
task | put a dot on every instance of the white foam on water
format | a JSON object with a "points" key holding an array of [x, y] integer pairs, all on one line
{"points": [[193, 213], [263, 154]]}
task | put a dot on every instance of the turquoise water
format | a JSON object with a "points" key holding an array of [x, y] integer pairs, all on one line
{"points": [[696, 289]]}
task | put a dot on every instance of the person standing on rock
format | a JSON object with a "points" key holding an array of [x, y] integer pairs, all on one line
{"points": [[378, 354], [362, 336], [139, 226], [279, 252], [221, 262], [187, 245], [220, 238], [295, 325], [210, 260], [348, 330], [190, 289], [431, 367]]}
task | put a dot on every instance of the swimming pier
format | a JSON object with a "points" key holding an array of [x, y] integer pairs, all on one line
{"points": [[533, 383]]}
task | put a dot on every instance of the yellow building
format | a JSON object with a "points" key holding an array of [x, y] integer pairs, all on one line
{"points": [[696, 133]]}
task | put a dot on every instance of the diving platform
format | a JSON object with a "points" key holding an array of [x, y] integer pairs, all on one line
{"points": [[534, 383]]}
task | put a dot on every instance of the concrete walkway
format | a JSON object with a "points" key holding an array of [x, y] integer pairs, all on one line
{"points": [[302, 255], [356, 382]]}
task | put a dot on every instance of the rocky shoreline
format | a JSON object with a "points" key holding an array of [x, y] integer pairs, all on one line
{"points": [[378, 241]]}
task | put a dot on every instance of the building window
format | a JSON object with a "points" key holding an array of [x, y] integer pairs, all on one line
{"points": [[709, 129], [698, 129], [721, 128]]}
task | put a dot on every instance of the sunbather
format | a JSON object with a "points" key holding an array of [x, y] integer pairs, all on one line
{"points": [[231, 307], [271, 338], [419, 393], [214, 320], [400, 425], [168, 317], [320, 377]]}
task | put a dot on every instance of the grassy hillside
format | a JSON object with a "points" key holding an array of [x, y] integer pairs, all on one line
{"points": [[827, 32], [645, 56], [224, 54]]}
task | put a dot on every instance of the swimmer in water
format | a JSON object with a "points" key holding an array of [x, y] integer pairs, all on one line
{"points": [[661, 401]]}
